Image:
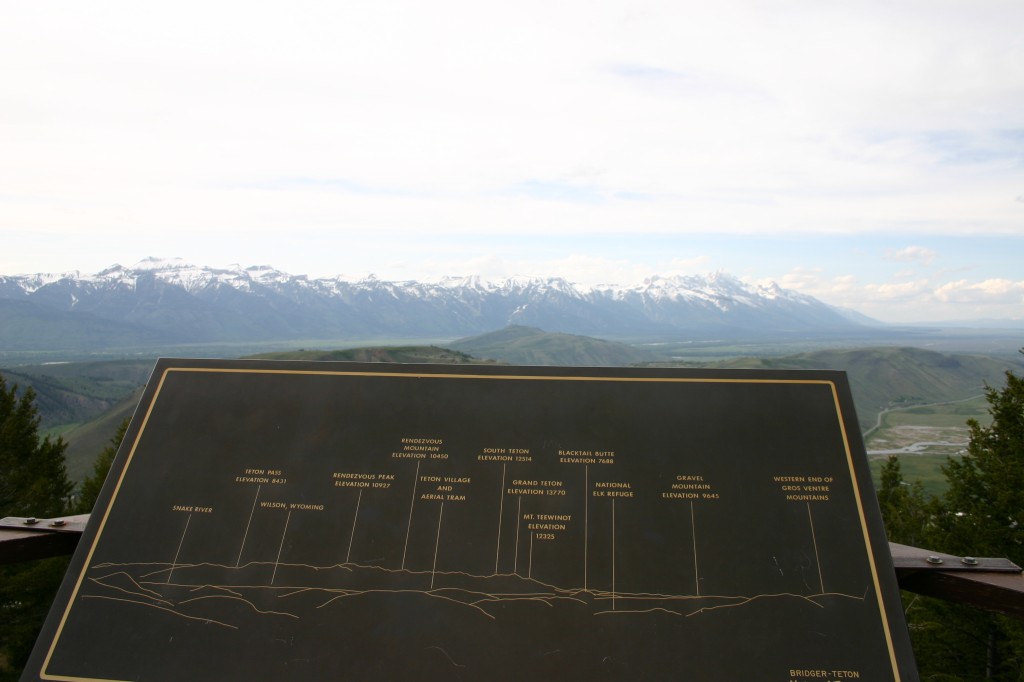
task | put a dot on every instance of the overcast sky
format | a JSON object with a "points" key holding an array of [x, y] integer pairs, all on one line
{"points": [[867, 153]]}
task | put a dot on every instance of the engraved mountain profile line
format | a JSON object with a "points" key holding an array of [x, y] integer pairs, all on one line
{"points": [[290, 588], [412, 524], [318, 587]]}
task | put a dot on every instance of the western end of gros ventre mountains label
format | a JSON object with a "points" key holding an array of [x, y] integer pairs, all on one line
{"points": [[346, 521]]}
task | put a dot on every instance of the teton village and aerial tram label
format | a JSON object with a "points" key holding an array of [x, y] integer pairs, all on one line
{"points": [[345, 521]]}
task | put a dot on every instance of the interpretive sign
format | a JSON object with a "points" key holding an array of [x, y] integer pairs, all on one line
{"points": [[343, 521]]}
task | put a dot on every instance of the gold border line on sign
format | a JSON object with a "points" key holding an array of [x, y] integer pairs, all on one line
{"points": [[95, 542], [867, 539], [501, 377]]}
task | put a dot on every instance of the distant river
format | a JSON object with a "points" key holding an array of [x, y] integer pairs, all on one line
{"points": [[917, 448]]}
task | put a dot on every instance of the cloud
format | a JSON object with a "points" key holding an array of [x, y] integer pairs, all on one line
{"points": [[911, 254], [582, 269], [114, 112], [693, 84], [814, 278], [685, 266], [901, 291], [559, 191], [987, 292], [925, 299], [429, 139], [901, 300], [841, 290]]}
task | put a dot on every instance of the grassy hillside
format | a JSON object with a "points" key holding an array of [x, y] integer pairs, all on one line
{"points": [[910, 403], [76, 392], [519, 345], [885, 378], [904, 396], [86, 441], [83, 403]]}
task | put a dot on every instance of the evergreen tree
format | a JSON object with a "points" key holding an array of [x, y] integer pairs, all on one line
{"points": [[906, 511], [33, 482], [981, 514], [33, 478], [985, 500], [92, 485]]}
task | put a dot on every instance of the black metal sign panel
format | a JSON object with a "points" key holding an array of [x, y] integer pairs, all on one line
{"points": [[315, 521]]}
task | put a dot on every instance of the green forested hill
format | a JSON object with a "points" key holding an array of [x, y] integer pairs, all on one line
{"points": [[519, 345], [882, 378], [407, 354], [86, 440], [85, 402], [75, 392]]}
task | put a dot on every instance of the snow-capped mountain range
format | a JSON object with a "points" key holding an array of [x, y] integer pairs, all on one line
{"points": [[171, 301]]}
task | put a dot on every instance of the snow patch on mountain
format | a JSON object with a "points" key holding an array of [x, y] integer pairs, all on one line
{"points": [[260, 300]]}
